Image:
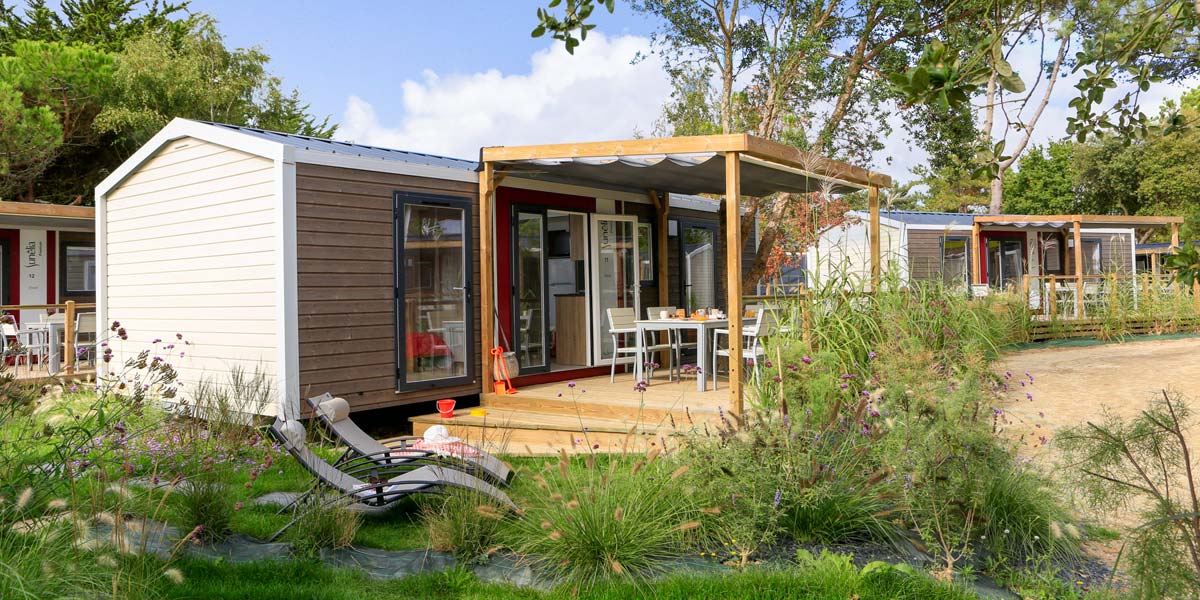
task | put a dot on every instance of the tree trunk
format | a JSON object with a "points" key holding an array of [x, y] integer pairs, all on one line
{"points": [[996, 203], [989, 122], [727, 26]]}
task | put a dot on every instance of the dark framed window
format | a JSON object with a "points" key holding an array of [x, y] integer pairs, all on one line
{"points": [[956, 264], [435, 336], [77, 275]]}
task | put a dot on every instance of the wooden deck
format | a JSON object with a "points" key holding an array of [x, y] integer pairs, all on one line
{"points": [[595, 414], [36, 374]]}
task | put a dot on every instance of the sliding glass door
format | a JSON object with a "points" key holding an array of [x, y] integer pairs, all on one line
{"points": [[434, 304], [615, 279], [1005, 262], [530, 331], [698, 258]]}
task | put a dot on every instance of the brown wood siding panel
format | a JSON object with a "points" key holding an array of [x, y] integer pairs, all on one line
{"points": [[346, 278], [925, 254]]}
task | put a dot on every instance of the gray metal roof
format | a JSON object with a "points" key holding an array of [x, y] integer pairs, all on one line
{"points": [[1163, 245], [350, 149], [916, 217]]}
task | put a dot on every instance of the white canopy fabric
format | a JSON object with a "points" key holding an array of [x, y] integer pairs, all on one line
{"points": [[687, 173]]}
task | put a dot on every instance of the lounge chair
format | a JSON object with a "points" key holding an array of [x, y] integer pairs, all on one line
{"points": [[427, 479], [334, 415]]}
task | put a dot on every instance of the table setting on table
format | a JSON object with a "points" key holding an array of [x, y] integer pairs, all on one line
{"points": [[702, 321]]}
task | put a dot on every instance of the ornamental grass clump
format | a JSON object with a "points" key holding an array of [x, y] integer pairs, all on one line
{"points": [[813, 478], [874, 416], [594, 519], [467, 525], [324, 522]]}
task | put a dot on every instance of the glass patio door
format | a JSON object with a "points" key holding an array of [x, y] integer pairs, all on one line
{"points": [[614, 275], [1005, 262], [434, 304], [698, 255], [530, 315]]}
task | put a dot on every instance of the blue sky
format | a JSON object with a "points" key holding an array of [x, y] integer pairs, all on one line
{"points": [[332, 50]]}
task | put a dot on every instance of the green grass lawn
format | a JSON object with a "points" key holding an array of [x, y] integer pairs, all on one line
{"points": [[826, 580]]}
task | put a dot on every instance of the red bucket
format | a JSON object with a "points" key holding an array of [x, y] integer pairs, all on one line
{"points": [[446, 408]]}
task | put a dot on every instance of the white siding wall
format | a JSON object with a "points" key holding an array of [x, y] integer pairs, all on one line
{"points": [[844, 253], [191, 247]]}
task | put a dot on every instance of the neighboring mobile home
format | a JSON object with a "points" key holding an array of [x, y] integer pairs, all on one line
{"points": [[354, 270], [923, 246], [47, 256]]}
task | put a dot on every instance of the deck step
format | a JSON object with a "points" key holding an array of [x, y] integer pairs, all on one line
{"points": [[600, 406], [525, 432]]}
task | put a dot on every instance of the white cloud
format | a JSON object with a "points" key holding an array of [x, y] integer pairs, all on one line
{"points": [[596, 94]]}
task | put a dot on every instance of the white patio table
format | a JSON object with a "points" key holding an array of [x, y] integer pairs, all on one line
{"points": [[703, 331]]}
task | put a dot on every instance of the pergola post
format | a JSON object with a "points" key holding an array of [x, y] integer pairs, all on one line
{"points": [[1078, 233], [733, 271], [1174, 235], [876, 267], [487, 274], [976, 251], [662, 207]]}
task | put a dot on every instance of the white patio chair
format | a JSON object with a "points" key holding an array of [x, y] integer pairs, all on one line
{"points": [[30, 343], [766, 323], [85, 336], [673, 337], [621, 323]]}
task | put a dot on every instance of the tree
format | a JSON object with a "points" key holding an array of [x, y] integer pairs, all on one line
{"points": [[104, 24], [1044, 182], [27, 135], [69, 82], [199, 78], [802, 72], [146, 62]]}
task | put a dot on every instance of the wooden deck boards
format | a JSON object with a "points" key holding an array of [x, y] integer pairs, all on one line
{"points": [[595, 414], [37, 374]]}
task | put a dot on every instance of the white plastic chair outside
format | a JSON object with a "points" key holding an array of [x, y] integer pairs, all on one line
{"points": [[85, 336], [621, 322], [653, 313], [766, 322], [29, 341]]}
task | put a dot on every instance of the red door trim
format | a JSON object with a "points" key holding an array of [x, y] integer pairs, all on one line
{"points": [[505, 199]]}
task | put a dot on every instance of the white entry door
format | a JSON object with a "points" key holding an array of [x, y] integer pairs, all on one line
{"points": [[614, 276]]}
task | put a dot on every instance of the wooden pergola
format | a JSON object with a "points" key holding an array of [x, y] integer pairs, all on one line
{"points": [[727, 165], [1076, 223]]}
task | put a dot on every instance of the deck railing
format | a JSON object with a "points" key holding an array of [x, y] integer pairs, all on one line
{"points": [[71, 309], [1080, 297]]}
